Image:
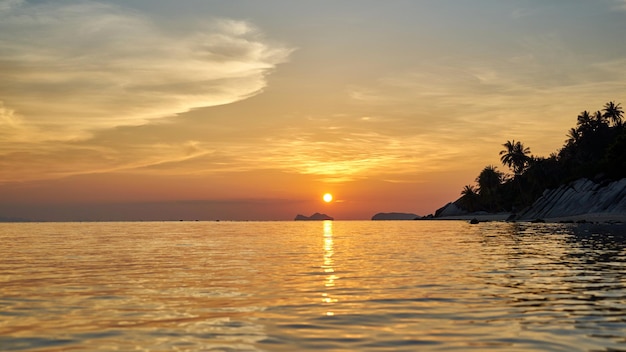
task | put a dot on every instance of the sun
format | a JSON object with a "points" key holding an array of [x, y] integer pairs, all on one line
{"points": [[327, 197]]}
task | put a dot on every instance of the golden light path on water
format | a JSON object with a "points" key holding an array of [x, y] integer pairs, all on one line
{"points": [[328, 266]]}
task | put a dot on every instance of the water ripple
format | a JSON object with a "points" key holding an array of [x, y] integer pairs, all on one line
{"points": [[283, 286]]}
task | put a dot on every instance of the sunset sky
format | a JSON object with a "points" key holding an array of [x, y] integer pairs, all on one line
{"points": [[252, 110]]}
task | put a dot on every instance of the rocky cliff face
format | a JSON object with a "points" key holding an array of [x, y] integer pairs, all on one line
{"points": [[579, 197], [450, 209]]}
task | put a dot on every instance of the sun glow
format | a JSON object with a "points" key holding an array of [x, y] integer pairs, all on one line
{"points": [[328, 197]]}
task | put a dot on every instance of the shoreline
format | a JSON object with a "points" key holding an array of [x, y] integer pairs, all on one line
{"points": [[609, 218]]}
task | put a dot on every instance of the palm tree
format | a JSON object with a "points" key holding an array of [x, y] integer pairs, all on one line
{"points": [[515, 156], [468, 190], [613, 112], [600, 121], [573, 136], [585, 122], [488, 180], [584, 118], [469, 198]]}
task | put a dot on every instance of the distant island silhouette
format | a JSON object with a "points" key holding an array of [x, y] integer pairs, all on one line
{"points": [[316, 216], [395, 216], [14, 219]]}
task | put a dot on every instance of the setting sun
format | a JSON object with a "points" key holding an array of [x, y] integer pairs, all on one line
{"points": [[328, 197]]}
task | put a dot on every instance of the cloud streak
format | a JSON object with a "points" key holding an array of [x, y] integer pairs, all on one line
{"points": [[72, 68], [620, 5]]}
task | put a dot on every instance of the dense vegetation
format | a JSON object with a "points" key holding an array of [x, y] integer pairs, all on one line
{"points": [[595, 149]]}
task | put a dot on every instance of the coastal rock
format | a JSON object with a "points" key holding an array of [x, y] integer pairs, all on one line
{"points": [[450, 209], [316, 216], [582, 196], [395, 216]]}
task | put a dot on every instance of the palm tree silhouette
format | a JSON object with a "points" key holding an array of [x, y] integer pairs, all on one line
{"points": [[488, 179], [469, 198], [573, 136], [585, 122], [468, 190], [488, 182], [600, 119], [613, 112], [515, 156]]}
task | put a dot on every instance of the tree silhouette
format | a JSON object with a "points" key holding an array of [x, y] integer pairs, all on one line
{"points": [[584, 123], [489, 179], [600, 121], [488, 182], [615, 158], [613, 112], [469, 198], [584, 118], [468, 190], [515, 156], [573, 136]]}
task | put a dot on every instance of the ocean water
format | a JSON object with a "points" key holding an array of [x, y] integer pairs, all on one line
{"points": [[312, 286]]}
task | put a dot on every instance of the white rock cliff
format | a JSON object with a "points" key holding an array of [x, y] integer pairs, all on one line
{"points": [[580, 197]]}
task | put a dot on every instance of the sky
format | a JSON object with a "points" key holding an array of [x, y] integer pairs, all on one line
{"points": [[252, 110]]}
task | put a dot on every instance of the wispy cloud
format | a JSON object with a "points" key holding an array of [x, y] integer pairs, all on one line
{"points": [[7, 118], [71, 68], [620, 5], [338, 153], [344, 154], [527, 96]]}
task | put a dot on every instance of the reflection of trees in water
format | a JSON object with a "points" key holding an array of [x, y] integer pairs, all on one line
{"points": [[564, 275], [598, 243]]}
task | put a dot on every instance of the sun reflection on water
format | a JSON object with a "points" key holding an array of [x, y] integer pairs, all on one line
{"points": [[330, 277]]}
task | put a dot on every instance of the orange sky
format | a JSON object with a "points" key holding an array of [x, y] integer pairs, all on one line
{"points": [[253, 110]]}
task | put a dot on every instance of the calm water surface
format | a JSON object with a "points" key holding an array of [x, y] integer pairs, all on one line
{"points": [[304, 286]]}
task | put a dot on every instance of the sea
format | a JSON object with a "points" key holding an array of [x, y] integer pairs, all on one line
{"points": [[312, 286]]}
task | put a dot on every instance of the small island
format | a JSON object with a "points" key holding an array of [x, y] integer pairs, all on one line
{"points": [[395, 216], [314, 217], [585, 180]]}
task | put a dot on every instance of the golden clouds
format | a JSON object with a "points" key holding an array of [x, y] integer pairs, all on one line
{"points": [[7, 118], [72, 68]]}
